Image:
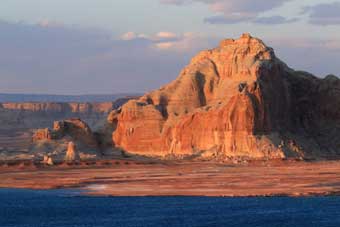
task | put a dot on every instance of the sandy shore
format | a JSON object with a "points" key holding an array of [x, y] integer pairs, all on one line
{"points": [[195, 179]]}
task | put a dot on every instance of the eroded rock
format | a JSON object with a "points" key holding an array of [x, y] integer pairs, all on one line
{"points": [[237, 100], [47, 160], [42, 134], [72, 154]]}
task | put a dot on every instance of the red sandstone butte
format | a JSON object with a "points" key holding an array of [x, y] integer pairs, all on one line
{"points": [[237, 100]]}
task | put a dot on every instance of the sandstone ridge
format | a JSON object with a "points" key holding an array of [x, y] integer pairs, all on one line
{"points": [[237, 100]]}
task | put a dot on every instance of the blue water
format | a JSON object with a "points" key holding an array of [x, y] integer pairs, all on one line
{"points": [[27, 208]]}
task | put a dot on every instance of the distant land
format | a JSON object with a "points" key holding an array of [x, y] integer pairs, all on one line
{"points": [[63, 98]]}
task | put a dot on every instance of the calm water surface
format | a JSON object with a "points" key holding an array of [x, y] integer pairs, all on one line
{"points": [[27, 208]]}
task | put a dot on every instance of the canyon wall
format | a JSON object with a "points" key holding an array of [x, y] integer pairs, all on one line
{"points": [[30, 115]]}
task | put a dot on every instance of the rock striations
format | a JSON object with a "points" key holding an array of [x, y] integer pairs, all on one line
{"points": [[235, 101]]}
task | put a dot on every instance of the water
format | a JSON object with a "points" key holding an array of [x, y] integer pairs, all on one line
{"points": [[27, 208]]}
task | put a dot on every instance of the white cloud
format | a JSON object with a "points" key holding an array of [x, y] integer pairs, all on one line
{"points": [[165, 45], [165, 40], [186, 42], [166, 35]]}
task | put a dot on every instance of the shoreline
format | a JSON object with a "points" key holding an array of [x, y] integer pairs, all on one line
{"points": [[79, 192], [266, 179]]}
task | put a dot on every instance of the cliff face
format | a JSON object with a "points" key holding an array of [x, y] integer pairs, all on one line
{"points": [[42, 114], [237, 100], [60, 107]]}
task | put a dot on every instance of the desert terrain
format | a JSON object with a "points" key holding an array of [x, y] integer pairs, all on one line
{"points": [[236, 122], [19, 120], [154, 178]]}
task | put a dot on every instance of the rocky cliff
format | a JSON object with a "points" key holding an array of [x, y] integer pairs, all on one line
{"points": [[60, 107], [42, 114], [236, 100]]}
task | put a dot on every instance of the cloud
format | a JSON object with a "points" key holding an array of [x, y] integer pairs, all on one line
{"points": [[274, 20], [236, 11], [45, 23], [169, 41], [132, 35], [220, 19], [158, 37], [164, 45], [329, 45], [187, 42], [317, 56], [129, 36], [70, 60], [166, 35], [323, 14], [175, 2]]}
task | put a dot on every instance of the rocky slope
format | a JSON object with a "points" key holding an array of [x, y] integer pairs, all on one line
{"points": [[235, 101]]}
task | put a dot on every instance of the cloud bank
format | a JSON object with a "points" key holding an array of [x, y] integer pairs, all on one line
{"points": [[237, 11], [323, 14], [69, 60]]}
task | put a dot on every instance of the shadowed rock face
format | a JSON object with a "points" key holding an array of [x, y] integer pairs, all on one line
{"points": [[237, 100], [77, 129], [71, 135]]}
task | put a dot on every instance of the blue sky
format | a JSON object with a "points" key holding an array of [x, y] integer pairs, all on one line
{"points": [[111, 46]]}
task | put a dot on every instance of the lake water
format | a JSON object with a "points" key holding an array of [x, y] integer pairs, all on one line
{"points": [[64, 208]]}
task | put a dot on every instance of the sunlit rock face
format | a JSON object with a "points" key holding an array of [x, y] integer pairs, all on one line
{"points": [[72, 154], [237, 100]]}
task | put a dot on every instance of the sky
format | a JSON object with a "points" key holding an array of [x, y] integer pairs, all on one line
{"points": [[114, 46]]}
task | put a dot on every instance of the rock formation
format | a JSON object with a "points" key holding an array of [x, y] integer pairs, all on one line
{"points": [[74, 127], [42, 134], [72, 153], [237, 100], [63, 137], [48, 160]]}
